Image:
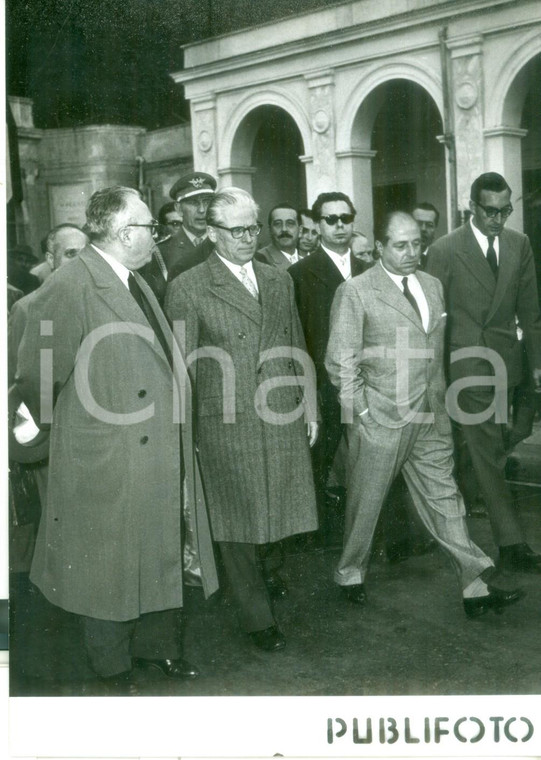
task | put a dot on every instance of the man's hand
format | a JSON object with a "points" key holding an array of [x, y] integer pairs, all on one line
{"points": [[311, 432]]}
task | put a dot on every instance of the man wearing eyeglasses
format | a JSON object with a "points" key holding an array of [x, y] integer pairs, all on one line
{"points": [[170, 219], [98, 361], [488, 277], [284, 231], [316, 279], [252, 383]]}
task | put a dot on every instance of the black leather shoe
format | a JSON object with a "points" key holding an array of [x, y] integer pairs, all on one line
{"points": [[496, 600], [355, 593], [178, 669], [519, 558], [270, 639], [119, 685], [276, 586]]}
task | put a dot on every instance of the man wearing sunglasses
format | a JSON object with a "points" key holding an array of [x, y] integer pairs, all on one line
{"points": [[316, 279], [489, 281]]}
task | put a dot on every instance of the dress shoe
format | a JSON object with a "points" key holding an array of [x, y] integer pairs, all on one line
{"points": [[519, 558], [270, 639], [276, 586], [178, 669], [119, 685], [496, 600], [355, 593]]}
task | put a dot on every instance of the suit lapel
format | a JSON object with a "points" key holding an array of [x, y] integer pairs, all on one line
{"points": [[324, 270], [435, 304], [390, 294], [228, 288], [507, 264], [471, 256]]}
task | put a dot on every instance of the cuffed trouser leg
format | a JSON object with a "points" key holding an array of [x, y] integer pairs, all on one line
{"points": [[247, 586]]}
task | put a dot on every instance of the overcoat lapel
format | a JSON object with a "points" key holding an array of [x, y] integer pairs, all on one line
{"points": [[226, 287], [271, 295], [119, 299]]}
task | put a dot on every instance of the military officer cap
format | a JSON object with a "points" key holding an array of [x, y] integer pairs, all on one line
{"points": [[191, 185]]}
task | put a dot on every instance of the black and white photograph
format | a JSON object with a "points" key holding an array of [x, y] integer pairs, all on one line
{"points": [[273, 295]]}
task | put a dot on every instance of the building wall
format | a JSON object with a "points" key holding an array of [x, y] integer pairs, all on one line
{"points": [[61, 168], [330, 72]]}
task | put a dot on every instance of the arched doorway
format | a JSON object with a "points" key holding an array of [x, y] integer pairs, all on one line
{"points": [[409, 162], [530, 119], [268, 145]]}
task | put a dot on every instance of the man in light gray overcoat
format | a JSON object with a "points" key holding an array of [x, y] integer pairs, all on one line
{"points": [[254, 384], [98, 361]]}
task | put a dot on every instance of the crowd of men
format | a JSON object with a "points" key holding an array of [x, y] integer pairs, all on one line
{"points": [[200, 394]]}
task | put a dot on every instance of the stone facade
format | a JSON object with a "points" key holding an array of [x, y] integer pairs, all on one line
{"points": [[61, 168], [332, 71]]}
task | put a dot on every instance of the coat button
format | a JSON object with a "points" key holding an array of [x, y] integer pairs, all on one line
{"points": [[290, 365], [142, 393], [143, 440], [286, 330], [297, 399], [242, 335]]}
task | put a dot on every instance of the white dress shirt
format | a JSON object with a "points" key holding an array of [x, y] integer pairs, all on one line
{"points": [[291, 257], [118, 268], [341, 262], [483, 241], [235, 269], [416, 291]]}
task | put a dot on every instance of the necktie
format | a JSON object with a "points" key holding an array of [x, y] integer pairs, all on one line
{"points": [[491, 257], [248, 284], [410, 296], [147, 310]]}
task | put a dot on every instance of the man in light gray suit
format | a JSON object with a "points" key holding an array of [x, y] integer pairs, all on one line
{"points": [[385, 356]]}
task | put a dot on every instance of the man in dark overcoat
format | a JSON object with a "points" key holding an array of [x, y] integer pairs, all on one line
{"points": [[254, 386], [98, 363]]}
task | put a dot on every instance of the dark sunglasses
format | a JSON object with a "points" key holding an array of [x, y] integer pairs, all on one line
{"points": [[333, 219]]}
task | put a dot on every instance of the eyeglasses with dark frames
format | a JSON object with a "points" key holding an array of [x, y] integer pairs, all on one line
{"points": [[333, 219], [493, 212], [153, 226], [238, 232]]}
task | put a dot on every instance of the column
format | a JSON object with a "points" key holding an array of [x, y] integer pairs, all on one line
{"points": [[503, 154], [204, 137], [321, 176]]}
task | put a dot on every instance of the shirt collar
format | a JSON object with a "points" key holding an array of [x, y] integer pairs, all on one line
{"points": [[483, 239], [235, 268], [193, 237], [118, 268], [397, 278]]}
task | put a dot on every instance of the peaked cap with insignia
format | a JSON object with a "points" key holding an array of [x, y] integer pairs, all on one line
{"points": [[193, 184]]}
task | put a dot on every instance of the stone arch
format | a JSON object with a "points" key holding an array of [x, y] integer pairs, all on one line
{"points": [[357, 117], [239, 133], [505, 105]]}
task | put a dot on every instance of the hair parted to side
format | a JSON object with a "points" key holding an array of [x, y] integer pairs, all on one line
{"points": [[425, 206], [50, 238], [491, 181], [329, 198], [226, 198], [383, 222], [103, 208]]}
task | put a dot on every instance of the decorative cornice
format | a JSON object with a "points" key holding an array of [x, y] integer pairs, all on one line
{"points": [[357, 154], [503, 131]]}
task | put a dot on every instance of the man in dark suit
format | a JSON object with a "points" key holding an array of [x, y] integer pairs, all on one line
{"points": [[427, 217], [385, 356], [246, 356], [284, 227], [190, 245], [109, 541], [488, 278], [316, 279]]}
